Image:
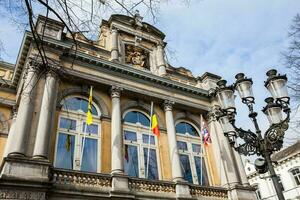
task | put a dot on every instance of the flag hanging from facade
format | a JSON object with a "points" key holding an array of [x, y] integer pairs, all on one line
{"points": [[68, 143], [89, 117], [154, 126], [205, 133]]}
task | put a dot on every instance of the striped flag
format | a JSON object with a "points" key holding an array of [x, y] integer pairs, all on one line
{"points": [[205, 133], [154, 126]]}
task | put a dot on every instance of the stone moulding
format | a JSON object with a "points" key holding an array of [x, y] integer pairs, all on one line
{"points": [[144, 185], [77, 181], [198, 191]]}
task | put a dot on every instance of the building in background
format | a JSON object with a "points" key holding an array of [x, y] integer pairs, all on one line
{"points": [[47, 150], [287, 168]]}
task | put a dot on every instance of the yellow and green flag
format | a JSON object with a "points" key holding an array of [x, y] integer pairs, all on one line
{"points": [[89, 117]]}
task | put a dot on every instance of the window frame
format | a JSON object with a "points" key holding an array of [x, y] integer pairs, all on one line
{"points": [[190, 140], [140, 129], [293, 176], [80, 118]]}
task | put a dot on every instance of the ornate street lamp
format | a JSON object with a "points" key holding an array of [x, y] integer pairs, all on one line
{"points": [[255, 142]]}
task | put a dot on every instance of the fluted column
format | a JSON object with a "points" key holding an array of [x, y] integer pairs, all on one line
{"points": [[10, 138], [44, 128], [114, 45], [117, 159], [241, 168], [160, 60], [25, 110], [173, 151]]}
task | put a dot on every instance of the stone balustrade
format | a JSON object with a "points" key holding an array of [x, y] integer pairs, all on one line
{"points": [[144, 185], [102, 183], [84, 179], [204, 191]]}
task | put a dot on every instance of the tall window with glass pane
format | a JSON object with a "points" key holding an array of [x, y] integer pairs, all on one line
{"points": [[140, 153], [74, 140], [191, 153]]}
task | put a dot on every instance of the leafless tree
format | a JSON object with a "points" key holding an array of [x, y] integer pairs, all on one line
{"points": [[79, 16], [291, 59]]}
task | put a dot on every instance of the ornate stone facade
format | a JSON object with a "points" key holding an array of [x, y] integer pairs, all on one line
{"points": [[43, 152]]}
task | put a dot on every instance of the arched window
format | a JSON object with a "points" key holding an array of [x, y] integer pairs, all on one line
{"points": [[72, 145], [296, 175], [136, 141], [191, 153]]}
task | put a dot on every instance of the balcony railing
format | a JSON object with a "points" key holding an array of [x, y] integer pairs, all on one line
{"points": [[97, 182], [216, 192]]}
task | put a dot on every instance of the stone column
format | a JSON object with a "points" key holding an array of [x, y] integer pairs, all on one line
{"points": [[241, 168], [173, 151], [47, 113], [160, 60], [117, 165], [114, 45], [25, 110], [227, 158], [10, 138]]}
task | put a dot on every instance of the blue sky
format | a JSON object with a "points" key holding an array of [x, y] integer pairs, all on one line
{"points": [[224, 37]]}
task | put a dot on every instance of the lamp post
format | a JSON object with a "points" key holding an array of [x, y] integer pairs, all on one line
{"points": [[254, 142]]}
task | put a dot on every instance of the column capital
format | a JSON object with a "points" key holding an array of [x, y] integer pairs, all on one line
{"points": [[212, 114], [114, 30], [168, 105], [115, 91], [52, 73]]}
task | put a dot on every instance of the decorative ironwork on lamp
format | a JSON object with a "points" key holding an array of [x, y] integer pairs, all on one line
{"points": [[254, 142]]}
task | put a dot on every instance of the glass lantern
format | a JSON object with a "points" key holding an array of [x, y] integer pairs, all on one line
{"points": [[273, 111], [225, 96], [244, 87], [227, 129], [277, 85]]}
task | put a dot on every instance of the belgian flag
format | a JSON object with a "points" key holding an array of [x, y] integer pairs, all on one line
{"points": [[154, 126]]}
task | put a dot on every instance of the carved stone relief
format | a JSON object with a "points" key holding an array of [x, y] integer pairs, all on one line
{"points": [[136, 56]]}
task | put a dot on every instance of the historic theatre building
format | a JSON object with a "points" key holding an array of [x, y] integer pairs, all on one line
{"points": [[48, 151]]}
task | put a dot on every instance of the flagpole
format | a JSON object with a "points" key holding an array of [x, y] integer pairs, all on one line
{"points": [[84, 133], [150, 127], [201, 149]]}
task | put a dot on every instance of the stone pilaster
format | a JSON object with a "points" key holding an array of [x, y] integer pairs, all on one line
{"points": [[117, 165], [10, 139], [47, 112], [241, 168], [114, 45], [160, 60], [173, 151], [229, 175], [25, 110]]}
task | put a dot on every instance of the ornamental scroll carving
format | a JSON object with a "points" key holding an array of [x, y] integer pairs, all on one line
{"points": [[136, 56], [21, 195]]}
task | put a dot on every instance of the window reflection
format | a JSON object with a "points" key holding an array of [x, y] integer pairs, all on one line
{"points": [[129, 135], [201, 171], [67, 123], [78, 104], [182, 145], [137, 117], [152, 173], [146, 139], [186, 168], [131, 163], [65, 150], [90, 129], [186, 128], [89, 158]]}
